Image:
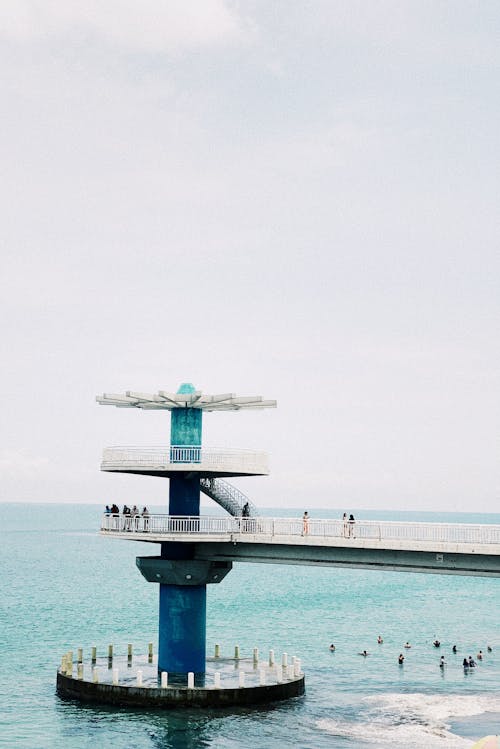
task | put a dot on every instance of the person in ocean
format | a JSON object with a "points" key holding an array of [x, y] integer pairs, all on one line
{"points": [[380, 640], [479, 656], [454, 648], [436, 643], [407, 645], [489, 649], [364, 653], [332, 647], [472, 662], [401, 659], [442, 662], [465, 663]]}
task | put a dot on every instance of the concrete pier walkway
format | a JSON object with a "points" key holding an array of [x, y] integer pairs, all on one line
{"points": [[417, 547]]}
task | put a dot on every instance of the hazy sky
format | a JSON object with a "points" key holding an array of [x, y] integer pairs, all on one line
{"points": [[293, 199]]}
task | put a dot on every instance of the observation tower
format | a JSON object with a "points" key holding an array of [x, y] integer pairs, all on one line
{"points": [[190, 468]]}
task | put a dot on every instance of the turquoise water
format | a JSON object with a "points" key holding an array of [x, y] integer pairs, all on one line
{"points": [[62, 586]]}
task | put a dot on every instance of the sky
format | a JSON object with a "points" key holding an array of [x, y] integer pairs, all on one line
{"points": [[297, 200]]}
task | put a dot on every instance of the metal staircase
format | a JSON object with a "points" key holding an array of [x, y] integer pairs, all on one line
{"points": [[227, 496]]}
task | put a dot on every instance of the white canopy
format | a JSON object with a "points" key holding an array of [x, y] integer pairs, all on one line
{"points": [[169, 401]]}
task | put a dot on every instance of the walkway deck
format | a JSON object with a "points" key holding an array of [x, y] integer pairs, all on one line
{"points": [[419, 547]]}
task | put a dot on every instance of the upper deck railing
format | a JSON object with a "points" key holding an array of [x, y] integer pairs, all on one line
{"points": [[176, 457], [264, 529]]}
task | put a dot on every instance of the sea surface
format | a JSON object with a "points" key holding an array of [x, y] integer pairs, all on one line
{"points": [[62, 587]]}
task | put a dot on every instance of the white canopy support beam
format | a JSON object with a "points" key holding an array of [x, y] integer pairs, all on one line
{"points": [[166, 401]]}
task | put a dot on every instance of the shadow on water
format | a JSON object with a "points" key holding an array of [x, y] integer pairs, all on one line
{"points": [[160, 729]]}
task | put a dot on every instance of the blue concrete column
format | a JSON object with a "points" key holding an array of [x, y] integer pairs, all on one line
{"points": [[182, 626]]}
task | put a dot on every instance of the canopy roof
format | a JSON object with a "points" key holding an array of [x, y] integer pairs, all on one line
{"points": [[169, 401]]}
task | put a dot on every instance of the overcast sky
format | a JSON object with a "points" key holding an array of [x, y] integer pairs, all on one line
{"points": [[293, 199]]}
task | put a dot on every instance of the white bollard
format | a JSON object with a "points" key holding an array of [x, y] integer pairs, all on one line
{"points": [[95, 675], [237, 652], [217, 651], [80, 655], [63, 664], [110, 652], [70, 655], [129, 651], [139, 677], [116, 677], [290, 672], [69, 666], [93, 653], [256, 655], [242, 679], [296, 669], [217, 680], [284, 660], [262, 676], [164, 679], [271, 657], [79, 671], [279, 675], [191, 680]]}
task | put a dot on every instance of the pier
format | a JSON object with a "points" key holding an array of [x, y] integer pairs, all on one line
{"points": [[441, 548], [180, 676]]}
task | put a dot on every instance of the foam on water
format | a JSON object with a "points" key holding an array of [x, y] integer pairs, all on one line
{"points": [[416, 721], [408, 735]]}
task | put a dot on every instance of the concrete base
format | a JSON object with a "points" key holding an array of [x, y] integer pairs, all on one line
{"points": [[176, 697]]}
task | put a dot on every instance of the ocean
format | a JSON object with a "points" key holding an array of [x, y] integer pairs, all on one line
{"points": [[62, 587]]}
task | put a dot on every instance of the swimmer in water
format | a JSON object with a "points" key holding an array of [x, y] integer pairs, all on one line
{"points": [[401, 659], [472, 662], [465, 663], [454, 648], [379, 640], [489, 649], [436, 643], [479, 656], [407, 645], [332, 647], [364, 653], [442, 662]]}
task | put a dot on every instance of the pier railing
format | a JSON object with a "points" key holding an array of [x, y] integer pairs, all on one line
{"points": [[177, 456], [266, 528]]}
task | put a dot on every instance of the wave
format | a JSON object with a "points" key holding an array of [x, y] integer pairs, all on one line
{"points": [[412, 720]]}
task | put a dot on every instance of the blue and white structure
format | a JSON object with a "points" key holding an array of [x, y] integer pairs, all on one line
{"points": [[191, 468]]}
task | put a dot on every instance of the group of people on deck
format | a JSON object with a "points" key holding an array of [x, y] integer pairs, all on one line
{"points": [[347, 525], [130, 515]]}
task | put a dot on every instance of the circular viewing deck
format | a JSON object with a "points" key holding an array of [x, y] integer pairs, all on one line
{"points": [[182, 459]]}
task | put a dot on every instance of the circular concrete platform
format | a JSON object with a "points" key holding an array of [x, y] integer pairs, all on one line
{"points": [[121, 683]]}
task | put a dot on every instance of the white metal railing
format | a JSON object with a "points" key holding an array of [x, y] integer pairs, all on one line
{"points": [[293, 527], [171, 457], [185, 453]]}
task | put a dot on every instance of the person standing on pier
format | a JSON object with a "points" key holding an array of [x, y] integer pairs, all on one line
{"points": [[351, 522], [305, 523]]}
